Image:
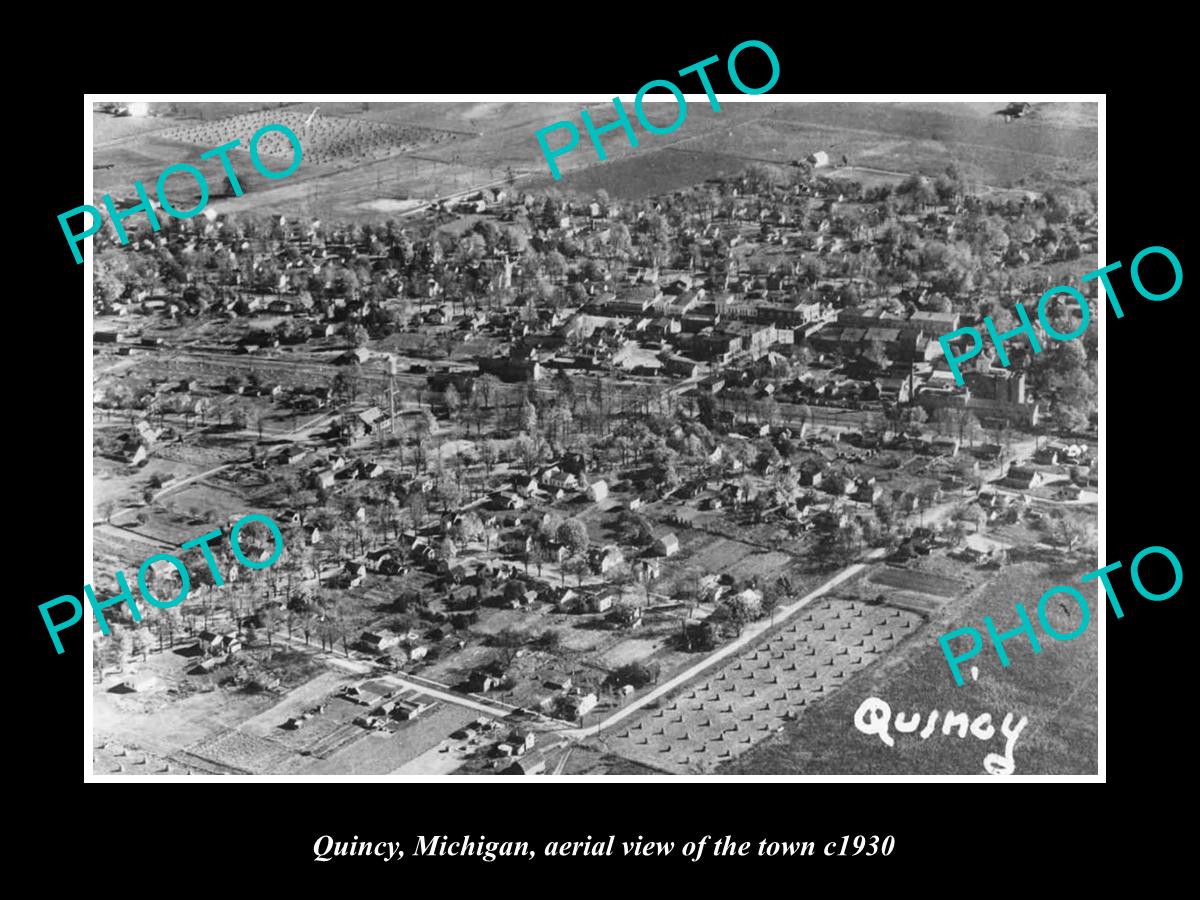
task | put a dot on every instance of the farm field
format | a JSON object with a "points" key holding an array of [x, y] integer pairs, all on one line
{"points": [[1055, 689], [399, 151], [919, 582], [752, 697]]}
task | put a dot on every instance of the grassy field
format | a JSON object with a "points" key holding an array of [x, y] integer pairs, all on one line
{"points": [[921, 582]]}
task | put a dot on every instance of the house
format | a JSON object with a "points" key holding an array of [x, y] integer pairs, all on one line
{"points": [[379, 641], [558, 681], [751, 599], [945, 446], [667, 545], [524, 739], [323, 479], [629, 616], [597, 491], [140, 683], [566, 600], [584, 704], [506, 500], [868, 492], [557, 479], [1024, 477], [217, 644], [606, 559], [481, 682], [406, 710], [600, 603], [1047, 456], [529, 764]]}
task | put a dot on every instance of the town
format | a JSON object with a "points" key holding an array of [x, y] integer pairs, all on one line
{"points": [[574, 482]]}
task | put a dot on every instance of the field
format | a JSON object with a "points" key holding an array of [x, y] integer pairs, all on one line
{"points": [[217, 731], [763, 688], [324, 139], [371, 162], [923, 140], [1055, 689], [917, 582]]}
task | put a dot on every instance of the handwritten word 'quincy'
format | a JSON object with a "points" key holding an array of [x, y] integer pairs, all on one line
{"points": [[185, 582], [1026, 626], [622, 120], [1026, 326], [874, 715], [221, 153]]}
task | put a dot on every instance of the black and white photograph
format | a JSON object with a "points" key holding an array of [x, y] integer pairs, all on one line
{"points": [[448, 437]]}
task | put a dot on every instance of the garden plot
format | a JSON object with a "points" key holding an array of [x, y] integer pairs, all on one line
{"points": [[754, 695], [245, 752]]}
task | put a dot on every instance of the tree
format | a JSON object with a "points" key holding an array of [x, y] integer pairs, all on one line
{"points": [[529, 449], [167, 623], [142, 640], [770, 600], [488, 454], [738, 610], [537, 555], [573, 534], [270, 617], [121, 642], [488, 388], [327, 630], [452, 400], [575, 566], [509, 642], [971, 513], [529, 418], [636, 673], [1068, 532], [850, 538], [549, 640]]}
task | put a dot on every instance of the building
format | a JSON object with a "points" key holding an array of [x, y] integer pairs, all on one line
{"points": [[529, 764], [1024, 477], [667, 545], [600, 603], [379, 641]]}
